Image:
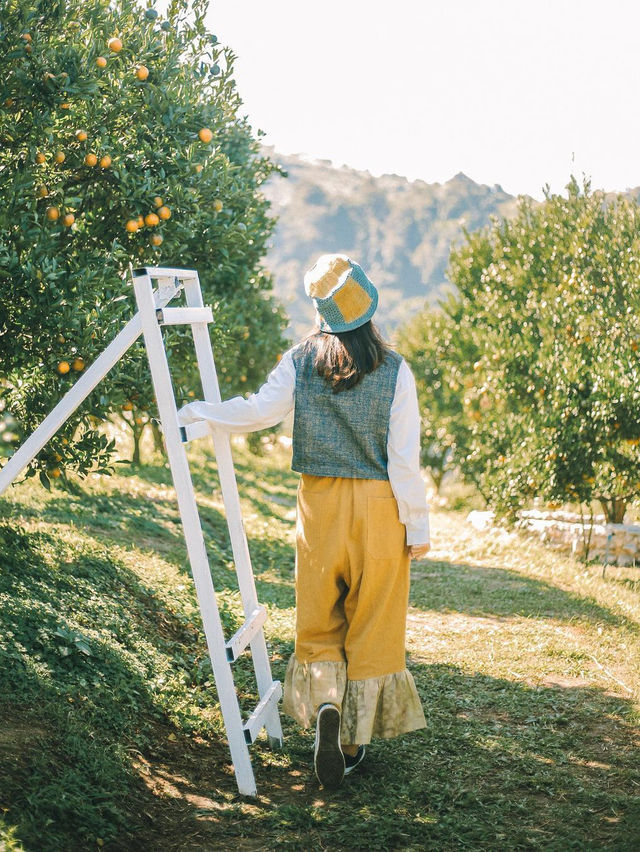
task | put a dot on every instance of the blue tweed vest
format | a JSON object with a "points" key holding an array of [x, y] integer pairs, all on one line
{"points": [[345, 433]]}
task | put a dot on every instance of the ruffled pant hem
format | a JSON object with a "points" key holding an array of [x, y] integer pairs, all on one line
{"points": [[384, 706]]}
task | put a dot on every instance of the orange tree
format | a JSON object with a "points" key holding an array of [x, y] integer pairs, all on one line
{"points": [[541, 347], [121, 141]]}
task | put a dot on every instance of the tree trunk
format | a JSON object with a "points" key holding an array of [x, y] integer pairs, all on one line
{"points": [[137, 434], [586, 539], [158, 441], [436, 476], [614, 509]]}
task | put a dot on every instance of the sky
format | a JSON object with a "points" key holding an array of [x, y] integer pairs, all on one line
{"points": [[520, 93]]}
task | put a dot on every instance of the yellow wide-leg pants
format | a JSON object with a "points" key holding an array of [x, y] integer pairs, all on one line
{"points": [[352, 592]]}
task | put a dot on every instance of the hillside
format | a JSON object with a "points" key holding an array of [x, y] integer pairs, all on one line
{"points": [[111, 737], [400, 231]]}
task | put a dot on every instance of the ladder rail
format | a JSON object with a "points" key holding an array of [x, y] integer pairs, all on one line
{"points": [[194, 537], [233, 510]]}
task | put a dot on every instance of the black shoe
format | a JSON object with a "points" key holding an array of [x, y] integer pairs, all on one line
{"points": [[352, 761], [328, 759]]}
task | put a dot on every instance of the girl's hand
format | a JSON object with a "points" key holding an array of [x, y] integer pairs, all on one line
{"points": [[419, 550]]}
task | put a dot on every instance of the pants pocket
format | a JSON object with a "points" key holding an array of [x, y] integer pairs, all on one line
{"points": [[385, 532]]}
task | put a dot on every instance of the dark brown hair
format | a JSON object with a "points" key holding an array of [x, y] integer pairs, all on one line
{"points": [[343, 358]]}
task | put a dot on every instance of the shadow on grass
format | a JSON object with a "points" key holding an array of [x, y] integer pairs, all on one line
{"points": [[74, 628], [154, 524], [279, 478], [126, 517], [500, 766], [483, 591], [95, 665], [102, 662]]}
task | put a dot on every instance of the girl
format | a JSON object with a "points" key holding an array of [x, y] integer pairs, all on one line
{"points": [[362, 515]]}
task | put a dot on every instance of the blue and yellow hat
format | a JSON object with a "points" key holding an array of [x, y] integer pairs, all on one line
{"points": [[343, 296]]}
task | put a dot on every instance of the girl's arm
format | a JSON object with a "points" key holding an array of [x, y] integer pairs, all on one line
{"points": [[268, 406], [403, 465]]}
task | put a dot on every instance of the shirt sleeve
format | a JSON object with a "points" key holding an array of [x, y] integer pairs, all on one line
{"points": [[403, 465], [270, 405]]}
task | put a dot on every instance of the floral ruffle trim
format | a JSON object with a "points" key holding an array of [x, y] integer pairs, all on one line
{"points": [[383, 706]]}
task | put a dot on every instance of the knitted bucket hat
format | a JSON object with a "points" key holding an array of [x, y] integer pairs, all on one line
{"points": [[343, 296]]}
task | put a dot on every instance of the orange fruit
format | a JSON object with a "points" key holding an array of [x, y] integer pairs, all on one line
{"points": [[26, 37], [55, 472], [128, 406], [138, 421], [198, 167], [40, 158], [217, 205], [81, 135], [65, 441], [57, 456], [28, 48], [132, 226], [151, 219], [42, 191], [205, 134], [164, 212], [101, 62], [90, 160], [63, 367], [78, 364], [60, 157], [115, 45], [105, 161], [68, 219], [156, 240], [142, 72], [141, 221], [157, 201], [52, 213], [65, 105]]}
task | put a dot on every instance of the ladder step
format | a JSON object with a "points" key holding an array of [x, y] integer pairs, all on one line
{"points": [[199, 429], [166, 272], [183, 316], [241, 638], [256, 720]]}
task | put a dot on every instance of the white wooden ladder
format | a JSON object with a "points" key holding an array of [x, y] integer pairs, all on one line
{"points": [[152, 314]]}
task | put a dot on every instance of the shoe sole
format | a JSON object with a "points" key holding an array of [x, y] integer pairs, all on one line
{"points": [[328, 758]]}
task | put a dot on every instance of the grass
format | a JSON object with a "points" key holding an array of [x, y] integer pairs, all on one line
{"points": [[526, 662]]}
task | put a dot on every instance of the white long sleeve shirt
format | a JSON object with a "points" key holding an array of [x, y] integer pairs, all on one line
{"points": [[275, 399]]}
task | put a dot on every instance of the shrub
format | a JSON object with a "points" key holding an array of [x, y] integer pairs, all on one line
{"points": [[548, 305]]}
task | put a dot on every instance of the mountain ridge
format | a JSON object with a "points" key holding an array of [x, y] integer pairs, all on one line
{"points": [[400, 230]]}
